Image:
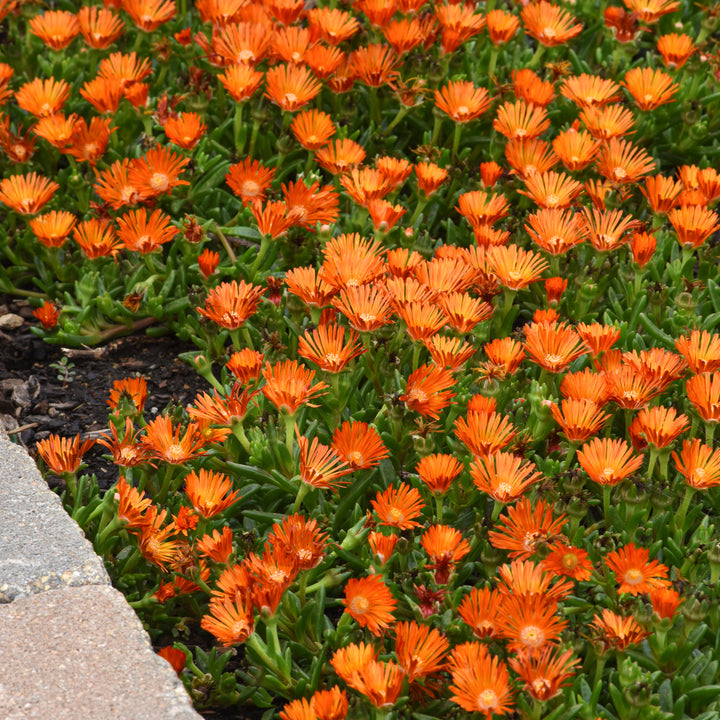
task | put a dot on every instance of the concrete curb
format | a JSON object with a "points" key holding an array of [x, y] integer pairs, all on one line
{"points": [[71, 646]]}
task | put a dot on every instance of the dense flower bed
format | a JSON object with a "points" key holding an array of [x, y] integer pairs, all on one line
{"points": [[451, 272]]}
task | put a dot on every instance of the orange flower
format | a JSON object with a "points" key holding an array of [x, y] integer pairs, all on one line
{"points": [[530, 623], [208, 260], [53, 228], [398, 507], [47, 314], [675, 49], [553, 346], [63, 455], [528, 86], [365, 184], [217, 547], [374, 64], [340, 156], [312, 129], [450, 353], [480, 208], [438, 471], [132, 389], [649, 88], [703, 391], [148, 15], [643, 246], [288, 385], [665, 602], [249, 179], [579, 419], [332, 25], [549, 24], [378, 12], [359, 445], [484, 433], [27, 194], [165, 443], [366, 307], [320, 466], [589, 91], [576, 149], [661, 193], [114, 187], [607, 122], [428, 390], [606, 229], [462, 101], [300, 537], [330, 704], [556, 230], [96, 238], [350, 260], [607, 461], [185, 130], [404, 35], [650, 11], [245, 365], [622, 163], [657, 426], [501, 26], [445, 546], [308, 286], [155, 542], [382, 546], [230, 622], [99, 26], [127, 452], [272, 220], [551, 189], [525, 527], [291, 86], [56, 28], [56, 129], [693, 224], [615, 631], [527, 157], [157, 171], [209, 492], [420, 650], [43, 98], [458, 23], [241, 81], [699, 464], [142, 234], [521, 121], [326, 347], [324, 60], [481, 610], [443, 276], [230, 304], [369, 601], [430, 177], [290, 44], [504, 476], [514, 267], [568, 561], [297, 710], [585, 385], [544, 673], [480, 682], [634, 570]]}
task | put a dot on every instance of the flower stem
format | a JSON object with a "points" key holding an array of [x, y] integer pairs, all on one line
{"points": [[680, 517], [301, 493]]}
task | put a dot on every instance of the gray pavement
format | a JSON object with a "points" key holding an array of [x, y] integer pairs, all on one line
{"points": [[70, 646]]}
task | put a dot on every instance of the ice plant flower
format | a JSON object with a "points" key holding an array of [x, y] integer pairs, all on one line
{"points": [[514, 267], [27, 194], [616, 632], [544, 673], [521, 121], [693, 224], [608, 461], [320, 465], [501, 26], [551, 189], [438, 470], [700, 349], [145, 234], [47, 314], [369, 601], [148, 15], [165, 442], [504, 476], [445, 546], [428, 390], [484, 433], [359, 444], [568, 561], [462, 101], [230, 622], [312, 129], [288, 385], [657, 426], [398, 507], [97, 238], [210, 492], [300, 537], [553, 346], [650, 88], [579, 419], [458, 23], [100, 27], [480, 609], [703, 391], [420, 650], [699, 464], [291, 86], [56, 28], [634, 570], [63, 454], [549, 24], [230, 304], [43, 98], [158, 171]]}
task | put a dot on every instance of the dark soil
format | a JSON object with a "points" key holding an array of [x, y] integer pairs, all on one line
{"points": [[35, 402]]}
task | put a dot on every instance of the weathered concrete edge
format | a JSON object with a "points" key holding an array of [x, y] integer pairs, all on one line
{"points": [[43, 552]]}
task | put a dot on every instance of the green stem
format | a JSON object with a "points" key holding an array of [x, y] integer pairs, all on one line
{"points": [[401, 113], [237, 127], [422, 202], [439, 507], [456, 141], [239, 433], [225, 243], [709, 432], [680, 517], [303, 490], [606, 504], [262, 251]]}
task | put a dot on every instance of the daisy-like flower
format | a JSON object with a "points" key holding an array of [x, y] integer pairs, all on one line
{"points": [[395, 170], [128, 69], [208, 261], [661, 192], [616, 632], [340, 156], [312, 129], [579, 419], [521, 121], [241, 81], [309, 287], [382, 546], [351, 261], [365, 184], [544, 673], [359, 445], [650, 88], [675, 49], [230, 304], [290, 44], [324, 61], [481, 683], [332, 25], [404, 35], [56, 129], [588, 91], [129, 451], [297, 710], [420, 650], [132, 389], [165, 442], [145, 234], [551, 189], [300, 537], [568, 561], [445, 546], [428, 390], [438, 471], [443, 276], [642, 246], [320, 466], [398, 507], [462, 100], [528, 86], [288, 385], [430, 177], [272, 218], [657, 426], [249, 179], [703, 391], [481, 610], [504, 476], [375, 64], [217, 547], [606, 229], [27, 194], [525, 527], [210, 492], [104, 94], [327, 348], [501, 26], [453, 353], [56, 28], [699, 464], [634, 570], [63, 455], [291, 86], [366, 307], [157, 171], [53, 228], [148, 15], [556, 230], [245, 365], [97, 238], [665, 602], [528, 581], [622, 163], [47, 314], [553, 346], [329, 704], [369, 601], [514, 267], [607, 461], [484, 433], [530, 624], [458, 23], [43, 98], [185, 130], [422, 319], [230, 622], [608, 121], [481, 208], [576, 149], [650, 11], [693, 224], [629, 389], [100, 27], [114, 187], [549, 24], [156, 542]]}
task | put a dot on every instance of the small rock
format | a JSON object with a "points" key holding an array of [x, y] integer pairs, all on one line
{"points": [[10, 321]]}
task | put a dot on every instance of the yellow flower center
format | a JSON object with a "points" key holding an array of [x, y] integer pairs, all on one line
{"points": [[532, 635], [569, 561], [487, 700], [633, 576], [355, 458], [395, 516], [359, 605], [159, 182], [250, 188], [175, 453]]}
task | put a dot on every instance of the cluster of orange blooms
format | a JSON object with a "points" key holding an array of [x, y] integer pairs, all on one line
{"points": [[440, 305]]}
